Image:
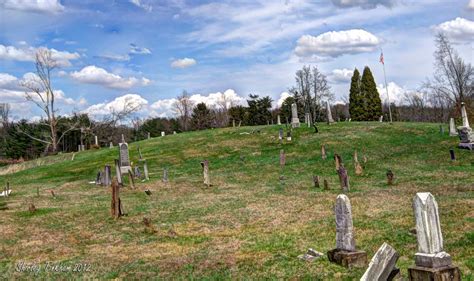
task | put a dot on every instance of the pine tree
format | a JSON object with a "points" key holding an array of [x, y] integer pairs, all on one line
{"points": [[201, 117], [356, 98], [373, 104]]}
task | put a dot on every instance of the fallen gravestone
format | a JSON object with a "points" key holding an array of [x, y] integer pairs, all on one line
{"points": [[382, 266], [431, 262], [345, 253], [310, 255]]}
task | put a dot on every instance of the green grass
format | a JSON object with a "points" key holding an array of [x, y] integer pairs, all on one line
{"points": [[249, 224]]}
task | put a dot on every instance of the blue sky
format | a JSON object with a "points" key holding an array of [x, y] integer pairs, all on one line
{"points": [[148, 52]]}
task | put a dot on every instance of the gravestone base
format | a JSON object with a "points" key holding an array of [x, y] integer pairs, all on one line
{"points": [[468, 145], [438, 260], [348, 259], [447, 273], [395, 275]]}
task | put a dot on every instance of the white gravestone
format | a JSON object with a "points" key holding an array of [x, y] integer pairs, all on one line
{"points": [[344, 228], [382, 264], [124, 158], [328, 109], [295, 121]]}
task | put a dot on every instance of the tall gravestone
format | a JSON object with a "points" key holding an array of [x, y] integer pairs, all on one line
{"points": [[124, 158], [295, 121], [345, 253], [328, 110], [382, 266], [466, 135], [308, 119], [431, 261], [278, 120], [452, 128]]}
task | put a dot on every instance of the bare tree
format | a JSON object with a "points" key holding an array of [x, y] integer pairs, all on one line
{"points": [[40, 92], [183, 107], [4, 114], [453, 77]]}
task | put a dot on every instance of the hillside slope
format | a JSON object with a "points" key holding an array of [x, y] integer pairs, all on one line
{"points": [[249, 224]]}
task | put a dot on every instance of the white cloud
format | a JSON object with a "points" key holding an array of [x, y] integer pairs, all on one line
{"points": [[470, 5], [336, 43], [365, 4], [459, 29], [183, 63], [134, 49], [95, 75], [62, 58], [341, 75], [397, 93], [41, 6], [283, 97], [118, 104], [115, 57], [8, 81], [163, 108], [140, 4]]}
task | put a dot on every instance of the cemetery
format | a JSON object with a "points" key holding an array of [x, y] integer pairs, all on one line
{"points": [[214, 206]]}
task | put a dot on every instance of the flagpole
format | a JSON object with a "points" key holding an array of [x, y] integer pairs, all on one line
{"points": [[386, 89]]}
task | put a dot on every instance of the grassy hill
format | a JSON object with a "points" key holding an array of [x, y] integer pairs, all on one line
{"points": [[249, 224]]}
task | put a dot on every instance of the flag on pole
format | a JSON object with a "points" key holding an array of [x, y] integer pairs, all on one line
{"points": [[381, 58]]}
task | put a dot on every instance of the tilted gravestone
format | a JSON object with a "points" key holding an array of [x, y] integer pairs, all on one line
{"points": [[124, 158], [345, 253], [329, 114], [295, 121], [431, 261], [382, 266], [343, 178]]}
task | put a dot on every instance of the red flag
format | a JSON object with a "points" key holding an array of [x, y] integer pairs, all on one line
{"points": [[381, 58]]}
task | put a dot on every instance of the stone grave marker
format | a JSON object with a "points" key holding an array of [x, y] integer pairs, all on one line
{"points": [[145, 170], [282, 158], [307, 117], [96, 141], [137, 173], [431, 261], [466, 135], [323, 152], [316, 181], [124, 158], [343, 178], [382, 267], [329, 114], [205, 171], [390, 177], [165, 175], [295, 121], [118, 172], [452, 128], [148, 135], [280, 135], [107, 175], [278, 120], [116, 205], [111, 145], [451, 153], [345, 253], [326, 185], [162, 134], [288, 136]]}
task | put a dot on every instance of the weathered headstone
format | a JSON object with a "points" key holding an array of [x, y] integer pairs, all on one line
{"points": [[118, 172], [452, 128], [278, 120], [390, 177], [116, 204], [205, 171], [345, 253], [466, 135], [162, 134], [140, 156], [323, 152], [148, 135], [316, 181], [295, 121], [451, 153], [124, 158], [111, 145], [145, 170], [382, 267], [98, 179], [329, 114], [288, 136], [381, 118], [280, 135], [137, 172], [343, 178], [326, 185], [165, 175], [174, 133], [96, 141], [337, 161], [107, 175], [465, 119], [282, 158], [431, 261], [308, 119]]}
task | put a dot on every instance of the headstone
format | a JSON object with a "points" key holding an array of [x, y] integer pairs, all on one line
{"points": [[73, 155], [139, 153], [316, 181], [116, 204], [145, 170], [329, 114], [111, 145], [162, 134], [98, 179], [205, 171], [124, 158], [79, 148], [390, 177], [280, 135], [288, 136], [96, 141], [323, 152], [174, 133], [282, 158], [308, 119], [465, 119], [148, 136], [382, 267], [345, 252], [451, 153], [326, 185], [431, 261], [165, 175], [278, 120], [295, 121], [107, 175], [118, 172], [337, 161], [343, 178], [452, 128], [466, 135], [381, 118], [137, 172]]}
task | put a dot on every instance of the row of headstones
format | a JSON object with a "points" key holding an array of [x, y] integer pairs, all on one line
{"points": [[431, 261], [295, 121]]}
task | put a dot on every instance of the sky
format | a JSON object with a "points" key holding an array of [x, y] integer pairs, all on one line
{"points": [[146, 52]]}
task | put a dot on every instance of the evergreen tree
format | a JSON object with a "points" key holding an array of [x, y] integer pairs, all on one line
{"points": [[356, 98], [201, 117], [373, 104]]}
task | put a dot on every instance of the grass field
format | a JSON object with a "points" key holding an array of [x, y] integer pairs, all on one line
{"points": [[248, 225]]}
